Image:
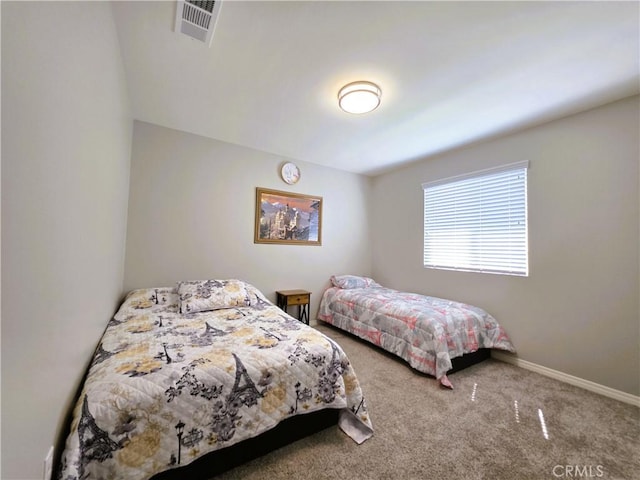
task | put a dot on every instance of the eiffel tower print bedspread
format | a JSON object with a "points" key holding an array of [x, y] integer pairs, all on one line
{"points": [[166, 387]]}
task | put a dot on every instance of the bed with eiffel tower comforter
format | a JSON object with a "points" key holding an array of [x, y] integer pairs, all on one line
{"points": [[183, 371]]}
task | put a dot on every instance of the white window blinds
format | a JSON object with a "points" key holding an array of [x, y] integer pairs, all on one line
{"points": [[478, 222]]}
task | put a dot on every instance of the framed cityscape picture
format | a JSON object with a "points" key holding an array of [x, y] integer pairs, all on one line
{"points": [[287, 218]]}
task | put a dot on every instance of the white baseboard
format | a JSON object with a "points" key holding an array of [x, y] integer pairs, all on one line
{"points": [[570, 379]]}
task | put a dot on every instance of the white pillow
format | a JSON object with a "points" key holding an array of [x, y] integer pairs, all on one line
{"points": [[352, 281]]}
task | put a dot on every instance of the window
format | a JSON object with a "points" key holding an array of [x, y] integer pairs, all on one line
{"points": [[478, 222]]}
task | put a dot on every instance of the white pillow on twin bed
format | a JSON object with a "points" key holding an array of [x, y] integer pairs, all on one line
{"points": [[353, 281], [204, 295]]}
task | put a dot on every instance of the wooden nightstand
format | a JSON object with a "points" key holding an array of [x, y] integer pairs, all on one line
{"points": [[285, 298]]}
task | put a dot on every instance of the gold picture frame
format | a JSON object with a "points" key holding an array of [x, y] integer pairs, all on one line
{"points": [[287, 218]]}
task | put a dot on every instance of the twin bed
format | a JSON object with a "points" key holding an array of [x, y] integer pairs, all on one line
{"points": [[192, 380], [429, 333]]}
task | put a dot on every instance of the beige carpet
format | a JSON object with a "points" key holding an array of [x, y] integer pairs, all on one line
{"points": [[489, 427]]}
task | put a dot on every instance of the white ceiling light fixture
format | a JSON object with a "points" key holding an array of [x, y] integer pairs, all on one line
{"points": [[359, 97]]}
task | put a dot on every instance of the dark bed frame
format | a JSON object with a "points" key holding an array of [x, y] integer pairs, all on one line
{"points": [[286, 432], [457, 364], [469, 359]]}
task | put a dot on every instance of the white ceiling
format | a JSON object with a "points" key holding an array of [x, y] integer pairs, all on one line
{"points": [[451, 72]]}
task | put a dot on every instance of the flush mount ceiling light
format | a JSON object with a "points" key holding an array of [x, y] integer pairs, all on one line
{"points": [[359, 97]]}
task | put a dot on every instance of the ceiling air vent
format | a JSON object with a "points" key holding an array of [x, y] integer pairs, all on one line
{"points": [[197, 19]]}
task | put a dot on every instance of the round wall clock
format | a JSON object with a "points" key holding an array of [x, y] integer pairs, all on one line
{"points": [[290, 173]]}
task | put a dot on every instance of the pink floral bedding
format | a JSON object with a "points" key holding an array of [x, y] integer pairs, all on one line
{"points": [[427, 332]]}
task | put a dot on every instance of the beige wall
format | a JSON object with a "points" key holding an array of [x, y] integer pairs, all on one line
{"points": [[66, 149], [577, 312], [191, 216], [66, 142]]}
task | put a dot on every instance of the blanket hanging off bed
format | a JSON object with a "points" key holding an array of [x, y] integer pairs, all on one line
{"points": [[164, 388], [427, 332]]}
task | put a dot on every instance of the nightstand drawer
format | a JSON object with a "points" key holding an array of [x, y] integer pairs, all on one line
{"points": [[301, 298], [297, 299]]}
